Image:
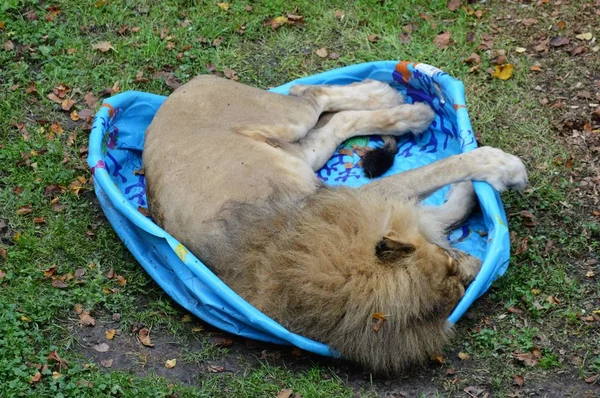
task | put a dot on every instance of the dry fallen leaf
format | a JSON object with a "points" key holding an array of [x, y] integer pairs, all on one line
{"points": [[90, 99], [110, 334], [590, 274], [592, 379], [223, 6], [295, 19], [529, 21], [439, 359], [57, 283], [107, 290], [559, 41], [377, 321], [230, 74], [139, 77], [473, 59], [24, 210], [529, 358], [121, 280], [499, 57], [170, 363], [275, 23], [442, 40], [86, 319], [9, 45], [285, 393], [221, 341], [514, 310], [2, 273], [584, 36], [453, 5], [519, 380], [53, 10], [111, 273], [215, 369], [50, 271], [373, 38], [75, 187], [79, 273], [473, 391], [464, 356], [67, 104], [503, 72], [536, 68], [528, 218], [107, 363], [53, 189], [585, 95], [102, 347], [36, 377], [31, 88], [144, 337], [322, 52], [53, 356], [541, 47], [56, 128], [103, 46], [186, 318]]}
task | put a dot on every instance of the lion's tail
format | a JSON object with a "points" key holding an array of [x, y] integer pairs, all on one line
{"points": [[379, 160]]}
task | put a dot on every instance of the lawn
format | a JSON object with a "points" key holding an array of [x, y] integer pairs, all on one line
{"points": [[74, 302]]}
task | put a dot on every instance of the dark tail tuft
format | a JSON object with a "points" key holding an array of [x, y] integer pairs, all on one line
{"points": [[379, 160]]}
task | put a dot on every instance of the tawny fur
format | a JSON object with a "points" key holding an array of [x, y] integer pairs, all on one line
{"points": [[312, 266], [230, 174]]}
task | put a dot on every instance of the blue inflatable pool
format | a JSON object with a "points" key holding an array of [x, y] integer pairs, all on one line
{"points": [[115, 158]]}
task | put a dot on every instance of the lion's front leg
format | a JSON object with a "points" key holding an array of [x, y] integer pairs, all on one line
{"points": [[499, 169]]}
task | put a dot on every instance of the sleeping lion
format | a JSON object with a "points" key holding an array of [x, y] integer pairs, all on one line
{"points": [[230, 173]]}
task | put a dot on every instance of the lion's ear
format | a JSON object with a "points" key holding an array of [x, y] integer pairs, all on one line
{"points": [[390, 249]]}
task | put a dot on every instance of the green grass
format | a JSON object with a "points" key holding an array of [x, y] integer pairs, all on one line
{"points": [[36, 318]]}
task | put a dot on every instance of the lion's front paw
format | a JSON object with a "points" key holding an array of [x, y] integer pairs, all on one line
{"points": [[468, 268], [499, 169]]}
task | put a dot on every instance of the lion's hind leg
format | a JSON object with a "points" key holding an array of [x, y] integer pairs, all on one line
{"points": [[320, 143], [365, 95]]}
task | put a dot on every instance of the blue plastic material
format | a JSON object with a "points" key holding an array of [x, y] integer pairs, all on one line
{"points": [[115, 150]]}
